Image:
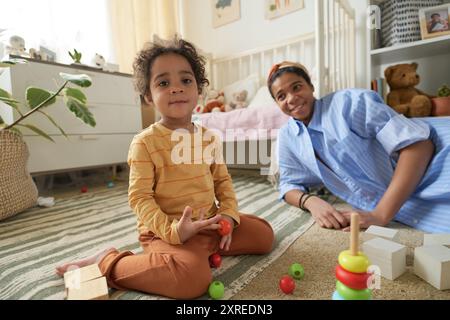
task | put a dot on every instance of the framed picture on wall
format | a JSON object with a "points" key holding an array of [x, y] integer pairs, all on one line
{"points": [[278, 8], [434, 21], [225, 11]]}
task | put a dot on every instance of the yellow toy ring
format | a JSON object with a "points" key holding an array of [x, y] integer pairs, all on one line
{"points": [[355, 264]]}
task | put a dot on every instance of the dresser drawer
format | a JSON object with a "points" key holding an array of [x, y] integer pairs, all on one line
{"points": [[76, 152], [105, 88], [108, 118]]}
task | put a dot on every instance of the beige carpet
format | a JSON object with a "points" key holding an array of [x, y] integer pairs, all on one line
{"points": [[317, 250]]}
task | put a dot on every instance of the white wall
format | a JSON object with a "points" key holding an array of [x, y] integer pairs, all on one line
{"points": [[252, 30]]}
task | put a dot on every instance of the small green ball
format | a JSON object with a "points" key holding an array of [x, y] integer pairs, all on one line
{"points": [[216, 290], [296, 271]]}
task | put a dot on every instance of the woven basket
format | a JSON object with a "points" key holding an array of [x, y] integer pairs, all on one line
{"points": [[17, 189]]}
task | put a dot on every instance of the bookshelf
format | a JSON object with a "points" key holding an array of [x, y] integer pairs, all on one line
{"points": [[432, 55]]}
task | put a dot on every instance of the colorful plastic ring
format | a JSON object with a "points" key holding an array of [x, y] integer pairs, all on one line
{"points": [[336, 296], [355, 264], [357, 281], [351, 294]]}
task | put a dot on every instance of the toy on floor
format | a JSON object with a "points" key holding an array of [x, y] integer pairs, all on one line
{"points": [[351, 273], [296, 271], [84, 189], [287, 284], [216, 290], [215, 260], [387, 255], [432, 260], [110, 184], [225, 227], [85, 283]]}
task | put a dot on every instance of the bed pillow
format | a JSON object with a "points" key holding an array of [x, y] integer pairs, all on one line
{"points": [[262, 98], [251, 84]]}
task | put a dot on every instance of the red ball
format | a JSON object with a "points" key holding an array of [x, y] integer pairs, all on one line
{"points": [[225, 227], [215, 260], [287, 284], [84, 189]]}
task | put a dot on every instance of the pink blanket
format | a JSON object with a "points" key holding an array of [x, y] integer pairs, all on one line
{"points": [[257, 123]]}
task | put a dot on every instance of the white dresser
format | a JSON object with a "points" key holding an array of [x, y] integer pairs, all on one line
{"points": [[112, 100]]}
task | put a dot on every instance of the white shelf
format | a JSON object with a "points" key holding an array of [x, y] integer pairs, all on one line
{"points": [[411, 51]]}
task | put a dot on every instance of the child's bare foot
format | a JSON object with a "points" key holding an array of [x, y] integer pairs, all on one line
{"points": [[61, 269]]}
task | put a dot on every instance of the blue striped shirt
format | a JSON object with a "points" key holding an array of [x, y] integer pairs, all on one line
{"points": [[357, 138]]}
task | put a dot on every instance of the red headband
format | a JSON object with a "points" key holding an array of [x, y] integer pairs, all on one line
{"points": [[282, 65]]}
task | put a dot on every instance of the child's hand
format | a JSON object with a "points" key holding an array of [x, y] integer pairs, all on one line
{"points": [[225, 242], [187, 228]]}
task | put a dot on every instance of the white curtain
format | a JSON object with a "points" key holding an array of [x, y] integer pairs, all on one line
{"points": [[134, 22], [116, 29], [60, 25]]}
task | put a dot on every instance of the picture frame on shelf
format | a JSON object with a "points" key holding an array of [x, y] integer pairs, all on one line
{"points": [[47, 54], [225, 11], [434, 21]]}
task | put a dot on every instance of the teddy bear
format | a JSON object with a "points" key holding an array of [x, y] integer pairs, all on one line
{"points": [[403, 96], [215, 102], [16, 47], [238, 102]]}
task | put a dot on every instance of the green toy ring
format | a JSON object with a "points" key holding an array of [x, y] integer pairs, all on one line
{"points": [[351, 294]]}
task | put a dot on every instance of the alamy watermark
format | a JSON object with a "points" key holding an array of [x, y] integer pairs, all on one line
{"points": [[233, 147]]}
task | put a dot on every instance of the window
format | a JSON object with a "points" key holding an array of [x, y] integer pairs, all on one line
{"points": [[60, 25]]}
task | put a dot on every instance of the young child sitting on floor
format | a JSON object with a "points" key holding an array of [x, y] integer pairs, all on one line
{"points": [[174, 193]]}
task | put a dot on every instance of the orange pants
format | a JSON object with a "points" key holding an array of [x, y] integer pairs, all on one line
{"points": [[182, 271]]}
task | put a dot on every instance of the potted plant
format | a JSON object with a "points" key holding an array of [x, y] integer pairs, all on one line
{"points": [[441, 103], [17, 189], [76, 56]]}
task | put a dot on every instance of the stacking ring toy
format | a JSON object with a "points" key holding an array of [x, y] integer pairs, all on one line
{"points": [[357, 281], [336, 296], [351, 294], [353, 263]]}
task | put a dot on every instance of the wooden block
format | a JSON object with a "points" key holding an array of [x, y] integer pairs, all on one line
{"points": [[75, 277], [432, 263], [389, 256], [95, 289], [441, 238], [380, 232]]}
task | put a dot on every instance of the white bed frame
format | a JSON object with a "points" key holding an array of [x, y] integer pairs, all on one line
{"points": [[328, 53]]}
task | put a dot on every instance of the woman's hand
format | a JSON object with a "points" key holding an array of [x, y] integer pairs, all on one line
{"points": [[225, 242], [366, 219], [325, 214], [187, 228]]}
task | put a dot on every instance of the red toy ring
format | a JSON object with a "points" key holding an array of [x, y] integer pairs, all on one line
{"points": [[357, 281]]}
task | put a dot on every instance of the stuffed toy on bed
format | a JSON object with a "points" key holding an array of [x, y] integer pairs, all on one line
{"points": [[239, 101], [215, 102]]}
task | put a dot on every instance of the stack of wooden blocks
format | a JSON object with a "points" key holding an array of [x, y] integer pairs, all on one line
{"points": [[86, 283], [384, 252], [432, 260]]}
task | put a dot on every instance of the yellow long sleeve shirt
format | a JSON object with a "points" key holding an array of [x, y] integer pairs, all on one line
{"points": [[170, 170]]}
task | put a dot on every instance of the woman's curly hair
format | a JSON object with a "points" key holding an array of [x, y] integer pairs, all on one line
{"points": [[145, 58]]}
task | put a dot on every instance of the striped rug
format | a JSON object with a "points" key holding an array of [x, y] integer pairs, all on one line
{"points": [[34, 242]]}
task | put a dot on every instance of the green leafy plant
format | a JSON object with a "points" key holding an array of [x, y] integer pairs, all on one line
{"points": [[76, 56], [38, 99], [444, 91]]}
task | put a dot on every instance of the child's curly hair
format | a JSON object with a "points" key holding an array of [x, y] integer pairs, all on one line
{"points": [[144, 60]]}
